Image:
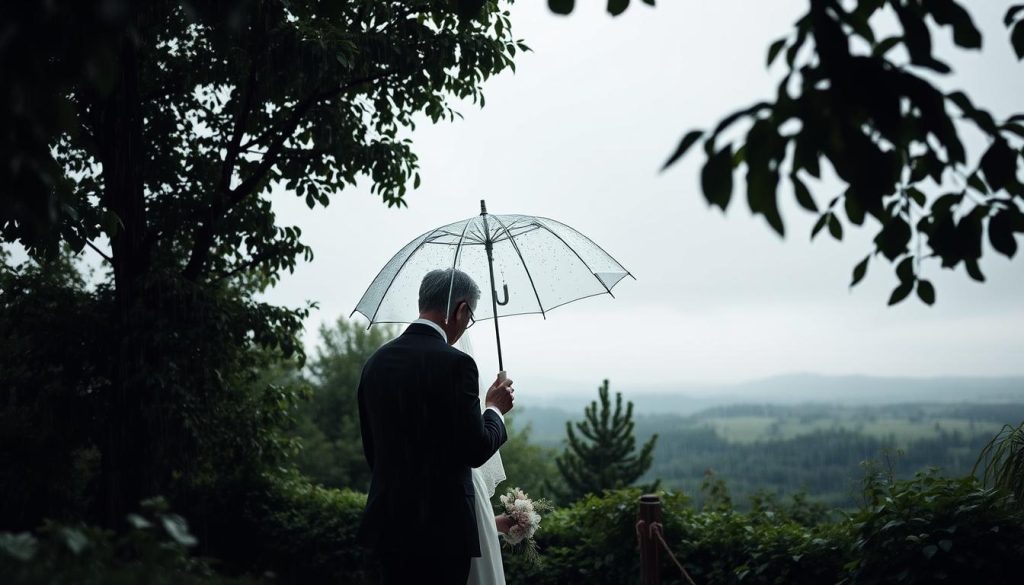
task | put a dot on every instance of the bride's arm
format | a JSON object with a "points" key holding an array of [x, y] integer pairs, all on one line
{"points": [[503, 522]]}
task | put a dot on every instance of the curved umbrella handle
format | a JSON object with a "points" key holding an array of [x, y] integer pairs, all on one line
{"points": [[504, 289]]}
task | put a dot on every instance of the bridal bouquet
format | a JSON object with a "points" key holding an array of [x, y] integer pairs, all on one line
{"points": [[525, 515]]}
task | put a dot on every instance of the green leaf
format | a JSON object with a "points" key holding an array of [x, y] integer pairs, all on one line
{"points": [[950, 13], [974, 182], [138, 522], [917, 196], [74, 539], [905, 270], [177, 529], [1011, 13], [770, 210], [885, 46], [803, 196], [929, 551], [617, 7], [854, 211], [983, 119], [805, 156], [894, 238], [561, 6], [684, 145], [1014, 128], [973, 269], [860, 270], [926, 292], [901, 292], [774, 49], [1000, 233], [834, 227], [999, 163], [21, 546], [716, 178], [111, 223], [820, 224], [1017, 39], [469, 8]]}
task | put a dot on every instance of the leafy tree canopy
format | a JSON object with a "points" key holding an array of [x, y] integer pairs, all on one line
{"points": [[328, 425], [162, 127], [863, 104], [219, 101]]}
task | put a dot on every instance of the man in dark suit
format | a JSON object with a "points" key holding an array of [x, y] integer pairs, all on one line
{"points": [[419, 412]]}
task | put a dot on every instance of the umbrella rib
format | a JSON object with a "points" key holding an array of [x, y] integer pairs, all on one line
{"points": [[592, 242], [397, 272], [525, 267], [573, 250], [451, 282]]}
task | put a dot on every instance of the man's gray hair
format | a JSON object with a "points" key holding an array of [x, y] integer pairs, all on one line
{"points": [[444, 285]]}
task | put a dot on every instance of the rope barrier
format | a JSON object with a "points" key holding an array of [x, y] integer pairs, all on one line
{"points": [[654, 530]]}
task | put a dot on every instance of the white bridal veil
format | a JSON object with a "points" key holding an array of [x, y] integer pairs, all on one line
{"points": [[492, 471]]}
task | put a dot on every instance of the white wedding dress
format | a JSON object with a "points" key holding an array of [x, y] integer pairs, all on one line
{"points": [[487, 568]]}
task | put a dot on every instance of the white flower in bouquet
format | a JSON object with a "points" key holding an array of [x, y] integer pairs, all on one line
{"points": [[524, 515]]}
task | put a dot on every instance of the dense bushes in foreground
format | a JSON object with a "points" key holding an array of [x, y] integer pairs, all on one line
{"points": [[925, 530], [285, 526], [153, 550]]}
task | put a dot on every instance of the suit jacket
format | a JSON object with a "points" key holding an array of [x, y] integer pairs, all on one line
{"points": [[419, 413]]}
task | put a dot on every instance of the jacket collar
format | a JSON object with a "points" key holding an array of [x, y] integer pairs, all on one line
{"points": [[429, 328]]}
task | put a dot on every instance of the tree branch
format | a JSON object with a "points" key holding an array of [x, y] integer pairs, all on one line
{"points": [[288, 128], [207, 230], [236, 139], [100, 252], [253, 262]]}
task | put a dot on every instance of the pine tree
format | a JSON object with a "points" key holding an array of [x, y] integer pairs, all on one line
{"points": [[602, 456]]}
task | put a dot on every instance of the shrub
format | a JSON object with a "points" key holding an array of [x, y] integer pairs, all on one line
{"points": [[154, 551], [594, 541], [282, 524], [719, 547], [932, 529]]}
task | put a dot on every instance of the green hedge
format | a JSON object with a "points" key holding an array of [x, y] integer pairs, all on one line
{"points": [[938, 530], [287, 527], [925, 530], [154, 550], [594, 540]]}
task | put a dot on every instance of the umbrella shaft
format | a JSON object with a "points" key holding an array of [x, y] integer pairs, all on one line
{"points": [[494, 307], [494, 291]]}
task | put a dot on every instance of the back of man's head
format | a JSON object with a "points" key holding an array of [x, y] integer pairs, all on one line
{"points": [[442, 290]]}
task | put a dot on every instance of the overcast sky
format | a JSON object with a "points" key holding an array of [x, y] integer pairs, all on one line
{"points": [[578, 134]]}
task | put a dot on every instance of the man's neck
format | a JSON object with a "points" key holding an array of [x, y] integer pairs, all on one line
{"points": [[431, 320]]}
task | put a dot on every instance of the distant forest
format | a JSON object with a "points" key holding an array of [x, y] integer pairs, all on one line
{"points": [[815, 448]]}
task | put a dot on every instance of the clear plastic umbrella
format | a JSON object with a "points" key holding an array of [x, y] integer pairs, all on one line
{"points": [[533, 265]]}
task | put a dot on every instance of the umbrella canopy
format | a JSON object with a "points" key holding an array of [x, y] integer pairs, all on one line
{"points": [[533, 264]]}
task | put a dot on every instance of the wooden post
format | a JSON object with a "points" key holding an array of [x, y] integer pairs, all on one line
{"points": [[649, 512]]}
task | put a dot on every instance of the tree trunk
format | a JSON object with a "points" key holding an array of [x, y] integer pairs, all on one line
{"points": [[125, 479]]}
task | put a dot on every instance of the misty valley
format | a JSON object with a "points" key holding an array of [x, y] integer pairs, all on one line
{"points": [[820, 449]]}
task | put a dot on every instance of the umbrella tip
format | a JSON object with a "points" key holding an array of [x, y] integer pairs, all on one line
{"points": [[483, 207]]}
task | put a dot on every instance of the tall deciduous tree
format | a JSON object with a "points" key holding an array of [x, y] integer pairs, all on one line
{"points": [[332, 452], [162, 127], [603, 456]]}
